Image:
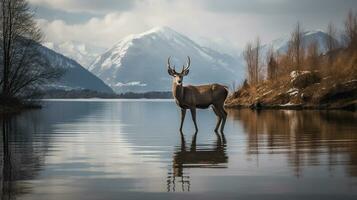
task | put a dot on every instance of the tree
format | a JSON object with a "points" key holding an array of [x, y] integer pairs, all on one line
{"points": [[312, 56], [257, 64], [331, 43], [23, 68], [351, 30], [272, 67], [251, 56], [296, 45], [248, 55]]}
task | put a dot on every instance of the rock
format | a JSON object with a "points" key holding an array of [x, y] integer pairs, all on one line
{"points": [[282, 98], [305, 97], [303, 79], [256, 106], [342, 91]]}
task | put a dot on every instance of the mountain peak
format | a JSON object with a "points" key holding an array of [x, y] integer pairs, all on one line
{"points": [[312, 32], [160, 29]]}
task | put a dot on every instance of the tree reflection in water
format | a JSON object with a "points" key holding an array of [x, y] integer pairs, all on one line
{"points": [[197, 156], [305, 137], [21, 158]]}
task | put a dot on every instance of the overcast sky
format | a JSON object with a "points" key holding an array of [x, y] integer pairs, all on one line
{"points": [[233, 22]]}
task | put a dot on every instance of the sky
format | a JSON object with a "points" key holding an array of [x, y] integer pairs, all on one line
{"points": [[230, 23]]}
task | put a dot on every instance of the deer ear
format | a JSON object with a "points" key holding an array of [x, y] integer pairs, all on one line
{"points": [[186, 72]]}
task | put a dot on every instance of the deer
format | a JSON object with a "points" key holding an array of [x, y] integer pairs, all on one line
{"points": [[197, 96]]}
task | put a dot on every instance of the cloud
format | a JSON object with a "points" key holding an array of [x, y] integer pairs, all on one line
{"points": [[291, 7], [90, 6], [228, 20], [102, 32], [109, 29]]}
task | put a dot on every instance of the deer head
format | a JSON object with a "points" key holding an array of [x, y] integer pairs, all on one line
{"points": [[178, 76]]}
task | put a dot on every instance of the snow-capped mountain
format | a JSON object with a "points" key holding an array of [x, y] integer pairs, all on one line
{"points": [[84, 54], [138, 62], [308, 37], [75, 76]]}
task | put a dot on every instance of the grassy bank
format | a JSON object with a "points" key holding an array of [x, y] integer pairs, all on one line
{"points": [[300, 90]]}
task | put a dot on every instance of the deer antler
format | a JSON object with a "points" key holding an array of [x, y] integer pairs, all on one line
{"points": [[187, 65], [169, 65]]}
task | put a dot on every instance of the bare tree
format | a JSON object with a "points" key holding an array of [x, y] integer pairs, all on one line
{"points": [[351, 30], [331, 43], [23, 68], [312, 56], [272, 65], [296, 45], [257, 60], [252, 58], [248, 55]]}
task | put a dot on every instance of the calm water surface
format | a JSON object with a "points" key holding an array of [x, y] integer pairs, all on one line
{"points": [[133, 150]]}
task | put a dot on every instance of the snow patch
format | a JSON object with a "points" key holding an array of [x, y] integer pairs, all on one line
{"points": [[351, 81], [289, 104], [267, 92], [293, 91], [133, 83], [294, 74]]}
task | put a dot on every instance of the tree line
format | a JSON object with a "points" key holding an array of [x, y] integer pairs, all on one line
{"points": [[339, 58]]}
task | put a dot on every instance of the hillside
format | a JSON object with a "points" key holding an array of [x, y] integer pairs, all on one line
{"points": [[328, 87], [84, 54], [75, 76]]}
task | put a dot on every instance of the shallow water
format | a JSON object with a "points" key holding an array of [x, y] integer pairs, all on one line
{"points": [[131, 149]]}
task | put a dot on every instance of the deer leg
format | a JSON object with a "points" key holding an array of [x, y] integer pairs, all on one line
{"points": [[224, 116], [219, 118], [183, 114], [193, 113]]}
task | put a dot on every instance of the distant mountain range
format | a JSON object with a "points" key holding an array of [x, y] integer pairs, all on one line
{"points": [[137, 63], [308, 37], [84, 54], [75, 76]]}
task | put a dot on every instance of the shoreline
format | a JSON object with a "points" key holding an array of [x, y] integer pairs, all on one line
{"points": [[347, 107], [18, 108]]}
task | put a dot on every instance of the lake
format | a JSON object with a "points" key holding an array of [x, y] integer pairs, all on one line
{"points": [[132, 149]]}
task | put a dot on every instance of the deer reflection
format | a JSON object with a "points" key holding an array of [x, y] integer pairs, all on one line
{"points": [[201, 156]]}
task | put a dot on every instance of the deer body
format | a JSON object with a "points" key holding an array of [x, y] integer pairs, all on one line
{"points": [[201, 96]]}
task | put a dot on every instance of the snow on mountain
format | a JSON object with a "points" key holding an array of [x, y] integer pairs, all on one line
{"points": [[75, 76], [84, 54], [137, 63]]}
